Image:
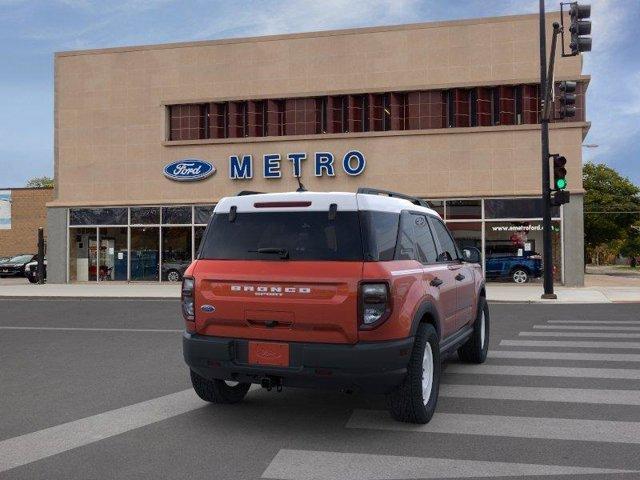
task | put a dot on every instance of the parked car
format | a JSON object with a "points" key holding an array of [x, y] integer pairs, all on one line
{"points": [[173, 270], [358, 292], [31, 270], [14, 267], [519, 269]]}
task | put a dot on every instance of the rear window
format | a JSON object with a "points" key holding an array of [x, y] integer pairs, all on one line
{"points": [[304, 236]]}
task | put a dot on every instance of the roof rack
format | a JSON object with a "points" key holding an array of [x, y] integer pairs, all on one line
{"points": [[247, 192], [388, 193]]}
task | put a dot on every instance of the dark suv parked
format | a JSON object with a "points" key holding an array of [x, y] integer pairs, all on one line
{"points": [[14, 267]]}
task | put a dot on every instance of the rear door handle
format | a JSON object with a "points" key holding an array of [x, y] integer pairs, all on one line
{"points": [[436, 282], [459, 277]]}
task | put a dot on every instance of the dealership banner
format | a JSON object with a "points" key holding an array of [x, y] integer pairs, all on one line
{"points": [[5, 210]]}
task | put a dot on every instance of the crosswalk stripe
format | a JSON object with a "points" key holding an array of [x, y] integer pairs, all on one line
{"points": [[538, 394], [503, 426], [580, 334], [610, 328], [566, 344], [319, 465], [517, 370], [598, 357], [600, 322], [34, 446]]}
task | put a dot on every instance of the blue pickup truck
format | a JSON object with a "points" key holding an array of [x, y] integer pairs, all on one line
{"points": [[519, 269]]}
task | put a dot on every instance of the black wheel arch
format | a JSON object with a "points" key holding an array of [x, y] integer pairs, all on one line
{"points": [[520, 267], [426, 313]]}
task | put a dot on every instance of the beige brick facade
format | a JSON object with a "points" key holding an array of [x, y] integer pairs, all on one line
{"points": [[28, 213]]}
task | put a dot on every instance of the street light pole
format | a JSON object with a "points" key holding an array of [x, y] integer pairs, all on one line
{"points": [[547, 253]]}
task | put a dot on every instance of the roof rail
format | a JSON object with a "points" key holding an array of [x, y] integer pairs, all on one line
{"points": [[388, 193], [247, 192]]}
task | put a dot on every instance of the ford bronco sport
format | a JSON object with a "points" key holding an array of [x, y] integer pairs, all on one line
{"points": [[358, 291]]}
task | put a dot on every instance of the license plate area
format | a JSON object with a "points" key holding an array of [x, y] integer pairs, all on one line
{"points": [[269, 353]]}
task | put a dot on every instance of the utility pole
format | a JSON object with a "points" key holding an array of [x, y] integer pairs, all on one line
{"points": [[547, 253]]}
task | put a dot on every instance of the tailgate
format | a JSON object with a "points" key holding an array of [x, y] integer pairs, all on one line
{"points": [[296, 301]]}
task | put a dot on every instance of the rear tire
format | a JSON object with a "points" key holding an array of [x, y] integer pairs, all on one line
{"points": [[475, 350], [414, 401], [218, 391], [32, 279]]}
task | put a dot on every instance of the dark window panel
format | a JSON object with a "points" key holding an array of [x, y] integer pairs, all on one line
{"points": [[507, 105], [187, 122], [483, 107], [236, 119], [300, 116], [464, 209], [202, 213], [515, 208], [397, 111], [473, 107], [461, 113], [337, 114], [321, 115], [176, 215], [518, 104], [145, 215], [217, 120], [255, 118], [530, 104], [275, 117], [98, 216]]}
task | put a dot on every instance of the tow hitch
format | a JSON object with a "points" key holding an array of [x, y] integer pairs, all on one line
{"points": [[271, 382]]}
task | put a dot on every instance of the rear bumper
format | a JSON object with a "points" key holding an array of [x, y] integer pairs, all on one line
{"points": [[374, 367]]}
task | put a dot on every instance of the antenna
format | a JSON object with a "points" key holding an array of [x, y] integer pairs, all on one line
{"points": [[300, 185]]}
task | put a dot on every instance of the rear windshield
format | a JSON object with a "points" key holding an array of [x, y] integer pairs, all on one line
{"points": [[303, 235]]}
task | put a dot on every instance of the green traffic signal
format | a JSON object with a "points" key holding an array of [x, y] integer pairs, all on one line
{"points": [[561, 184]]}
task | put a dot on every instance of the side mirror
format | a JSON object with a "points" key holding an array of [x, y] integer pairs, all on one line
{"points": [[471, 255]]}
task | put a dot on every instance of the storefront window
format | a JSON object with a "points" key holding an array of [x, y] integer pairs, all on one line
{"points": [[98, 216], [438, 206], [513, 251], [112, 258], [203, 214], [516, 208], [176, 215], [467, 234], [464, 209], [82, 254], [198, 234], [145, 255], [145, 215], [176, 252]]}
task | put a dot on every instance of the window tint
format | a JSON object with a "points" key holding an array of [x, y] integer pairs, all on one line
{"points": [[406, 249], [424, 240], [379, 232], [304, 235], [448, 250], [98, 216]]}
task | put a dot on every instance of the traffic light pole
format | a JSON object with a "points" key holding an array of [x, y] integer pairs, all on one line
{"points": [[547, 254]]}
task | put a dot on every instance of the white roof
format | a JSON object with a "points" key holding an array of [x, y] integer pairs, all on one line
{"points": [[319, 201]]}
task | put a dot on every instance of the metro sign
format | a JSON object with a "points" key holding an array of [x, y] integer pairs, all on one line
{"points": [[352, 163]]}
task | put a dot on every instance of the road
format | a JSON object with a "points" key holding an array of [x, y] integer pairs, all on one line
{"points": [[96, 389]]}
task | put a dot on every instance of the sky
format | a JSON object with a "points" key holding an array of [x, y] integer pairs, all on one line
{"points": [[32, 30]]}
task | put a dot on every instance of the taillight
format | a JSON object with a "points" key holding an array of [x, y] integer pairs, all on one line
{"points": [[188, 307], [375, 304]]}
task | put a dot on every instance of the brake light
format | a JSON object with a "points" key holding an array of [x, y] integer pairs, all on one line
{"points": [[188, 305], [374, 303]]}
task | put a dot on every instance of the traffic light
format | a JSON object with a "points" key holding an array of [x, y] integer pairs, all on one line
{"points": [[559, 172], [567, 98], [560, 198], [579, 28]]}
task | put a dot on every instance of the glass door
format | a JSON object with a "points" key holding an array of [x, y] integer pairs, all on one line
{"points": [[82, 254]]}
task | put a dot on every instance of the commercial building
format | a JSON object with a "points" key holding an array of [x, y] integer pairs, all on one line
{"points": [[148, 138], [22, 212]]}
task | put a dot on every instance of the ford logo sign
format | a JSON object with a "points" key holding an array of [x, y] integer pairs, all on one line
{"points": [[189, 169]]}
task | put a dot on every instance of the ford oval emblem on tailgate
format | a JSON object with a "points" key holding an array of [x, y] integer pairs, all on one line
{"points": [[208, 308]]}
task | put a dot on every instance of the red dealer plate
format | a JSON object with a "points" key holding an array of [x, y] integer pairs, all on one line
{"points": [[268, 353]]}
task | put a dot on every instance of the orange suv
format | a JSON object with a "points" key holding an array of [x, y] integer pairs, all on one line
{"points": [[361, 291]]}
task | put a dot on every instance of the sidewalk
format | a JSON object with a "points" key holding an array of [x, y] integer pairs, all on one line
{"points": [[495, 292]]}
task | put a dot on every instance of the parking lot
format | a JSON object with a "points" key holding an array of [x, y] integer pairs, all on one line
{"points": [[97, 389]]}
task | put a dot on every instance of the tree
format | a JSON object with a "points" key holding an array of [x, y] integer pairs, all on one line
{"points": [[611, 206], [40, 182]]}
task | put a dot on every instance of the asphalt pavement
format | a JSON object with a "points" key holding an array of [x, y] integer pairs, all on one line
{"points": [[96, 389]]}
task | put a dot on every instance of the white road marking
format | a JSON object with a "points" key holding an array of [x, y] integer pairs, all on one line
{"points": [[580, 334], [539, 394], [599, 322], [516, 370], [577, 344], [34, 446], [317, 465], [87, 329], [611, 328], [503, 426], [596, 357]]}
